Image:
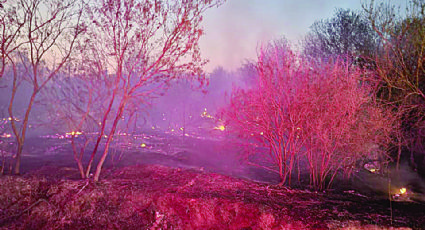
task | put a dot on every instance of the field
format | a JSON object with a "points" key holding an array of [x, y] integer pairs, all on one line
{"points": [[171, 184]]}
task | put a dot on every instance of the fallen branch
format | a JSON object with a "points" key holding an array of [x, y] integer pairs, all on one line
{"points": [[10, 218]]}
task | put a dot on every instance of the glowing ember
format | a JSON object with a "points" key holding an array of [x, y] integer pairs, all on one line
{"points": [[205, 114], [143, 145], [403, 190], [220, 127], [372, 170], [11, 118], [74, 133], [6, 135]]}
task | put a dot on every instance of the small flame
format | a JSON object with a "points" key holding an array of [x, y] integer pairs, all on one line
{"points": [[6, 135], [403, 190], [76, 133], [220, 127], [143, 145], [205, 114], [11, 118]]}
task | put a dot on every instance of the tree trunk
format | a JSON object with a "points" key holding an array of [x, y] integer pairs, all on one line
{"points": [[77, 158], [102, 131], [20, 136], [108, 141]]}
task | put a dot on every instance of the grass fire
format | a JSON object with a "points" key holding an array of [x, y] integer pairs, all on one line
{"points": [[212, 114]]}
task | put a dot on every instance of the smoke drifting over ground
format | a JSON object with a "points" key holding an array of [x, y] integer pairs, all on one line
{"points": [[179, 125], [179, 128], [183, 128], [118, 127]]}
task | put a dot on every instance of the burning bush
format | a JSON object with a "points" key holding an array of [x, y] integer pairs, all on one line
{"points": [[319, 113]]}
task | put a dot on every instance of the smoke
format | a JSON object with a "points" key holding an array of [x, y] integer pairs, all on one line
{"points": [[391, 183], [234, 31]]}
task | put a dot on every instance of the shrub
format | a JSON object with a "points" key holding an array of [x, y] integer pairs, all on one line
{"points": [[322, 113]]}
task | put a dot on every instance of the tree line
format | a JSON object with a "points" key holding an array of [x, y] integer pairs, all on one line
{"points": [[354, 94], [95, 64]]}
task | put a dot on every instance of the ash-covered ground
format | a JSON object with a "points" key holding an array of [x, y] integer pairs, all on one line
{"points": [[159, 180]]}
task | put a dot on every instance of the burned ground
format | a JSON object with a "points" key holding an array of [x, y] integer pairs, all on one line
{"points": [[173, 187], [159, 197]]}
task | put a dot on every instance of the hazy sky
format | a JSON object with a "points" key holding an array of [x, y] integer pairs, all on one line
{"points": [[235, 29]]}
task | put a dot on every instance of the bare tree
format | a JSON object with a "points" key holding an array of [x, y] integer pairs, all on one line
{"points": [[347, 34], [12, 23], [76, 102], [319, 113], [400, 67], [70, 101], [267, 113], [344, 126], [43, 39], [141, 45]]}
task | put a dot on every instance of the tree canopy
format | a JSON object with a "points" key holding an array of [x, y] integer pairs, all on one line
{"points": [[348, 33]]}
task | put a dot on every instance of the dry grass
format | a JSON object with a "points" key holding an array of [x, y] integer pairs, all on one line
{"points": [[158, 197]]}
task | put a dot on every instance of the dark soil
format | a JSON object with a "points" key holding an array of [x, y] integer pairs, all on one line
{"points": [[194, 184], [160, 197]]}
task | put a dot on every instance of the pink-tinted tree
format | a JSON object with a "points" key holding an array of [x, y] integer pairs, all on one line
{"points": [[266, 114], [142, 45], [321, 114], [343, 124], [12, 23], [70, 102], [39, 37]]}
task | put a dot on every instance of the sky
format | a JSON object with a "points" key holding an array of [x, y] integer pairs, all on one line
{"points": [[235, 29]]}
